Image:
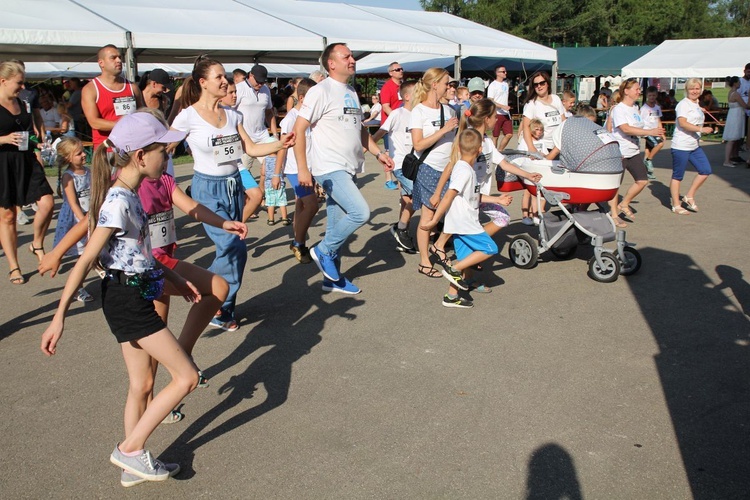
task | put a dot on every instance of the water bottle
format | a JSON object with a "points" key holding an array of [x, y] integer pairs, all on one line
{"points": [[47, 152]]}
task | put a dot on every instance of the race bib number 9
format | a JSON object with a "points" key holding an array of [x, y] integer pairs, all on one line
{"points": [[351, 119], [124, 105], [161, 229], [227, 148]]}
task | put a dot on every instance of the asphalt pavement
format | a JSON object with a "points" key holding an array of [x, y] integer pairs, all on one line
{"points": [[552, 386]]}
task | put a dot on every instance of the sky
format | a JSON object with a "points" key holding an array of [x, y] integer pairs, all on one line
{"points": [[388, 4]]}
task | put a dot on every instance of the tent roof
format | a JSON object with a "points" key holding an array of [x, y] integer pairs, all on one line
{"points": [[702, 58], [475, 39], [597, 61], [377, 64]]}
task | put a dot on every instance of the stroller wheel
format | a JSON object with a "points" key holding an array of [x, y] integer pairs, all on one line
{"points": [[564, 254], [523, 251], [632, 262], [607, 273]]}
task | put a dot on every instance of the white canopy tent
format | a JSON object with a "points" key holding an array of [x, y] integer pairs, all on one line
{"points": [[703, 58], [279, 31]]}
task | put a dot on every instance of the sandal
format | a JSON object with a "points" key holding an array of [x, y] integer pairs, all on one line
{"points": [[430, 271], [34, 250], [173, 417], [625, 209], [619, 222], [18, 280], [478, 287], [690, 203], [680, 211], [441, 255], [271, 222], [285, 221]]}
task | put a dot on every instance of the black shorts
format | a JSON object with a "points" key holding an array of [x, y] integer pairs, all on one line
{"points": [[636, 167], [129, 316]]}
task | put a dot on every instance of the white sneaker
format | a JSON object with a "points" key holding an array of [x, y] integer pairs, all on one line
{"points": [[83, 296], [21, 218]]}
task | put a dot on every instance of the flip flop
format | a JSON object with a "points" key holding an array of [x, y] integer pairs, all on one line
{"points": [[173, 417], [430, 272]]}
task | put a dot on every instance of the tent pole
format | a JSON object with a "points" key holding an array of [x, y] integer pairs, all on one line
{"points": [[554, 77], [322, 67], [131, 68], [457, 65]]}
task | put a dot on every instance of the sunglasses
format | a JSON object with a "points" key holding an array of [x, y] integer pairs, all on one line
{"points": [[501, 71], [397, 69], [540, 84]]}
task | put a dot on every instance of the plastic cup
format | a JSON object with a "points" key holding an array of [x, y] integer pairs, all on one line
{"points": [[23, 145]]}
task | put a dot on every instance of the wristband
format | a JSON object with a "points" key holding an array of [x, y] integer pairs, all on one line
{"points": [[276, 175]]}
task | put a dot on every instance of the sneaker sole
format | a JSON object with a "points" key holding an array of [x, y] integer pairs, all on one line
{"points": [[314, 257], [450, 278], [404, 247], [339, 290], [145, 477], [456, 305], [127, 483]]}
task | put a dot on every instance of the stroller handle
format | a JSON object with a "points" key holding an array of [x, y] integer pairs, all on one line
{"points": [[530, 154]]}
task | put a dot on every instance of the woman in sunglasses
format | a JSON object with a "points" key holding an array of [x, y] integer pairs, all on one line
{"points": [[548, 108]]}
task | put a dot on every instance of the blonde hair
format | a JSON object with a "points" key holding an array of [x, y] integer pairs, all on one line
{"points": [[66, 148], [469, 140], [567, 94], [693, 81], [424, 85], [9, 69], [536, 123]]}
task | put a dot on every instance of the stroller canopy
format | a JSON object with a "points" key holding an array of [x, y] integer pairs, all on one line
{"points": [[587, 147]]}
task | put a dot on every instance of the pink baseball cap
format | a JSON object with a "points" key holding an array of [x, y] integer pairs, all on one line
{"points": [[138, 130]]}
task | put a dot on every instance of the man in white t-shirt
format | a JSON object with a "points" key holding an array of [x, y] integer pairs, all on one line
{"points": [[255, 104], [332, 110], [498, 92]]}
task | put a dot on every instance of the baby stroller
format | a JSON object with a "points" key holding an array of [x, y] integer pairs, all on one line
{"points": [[590, 171]]}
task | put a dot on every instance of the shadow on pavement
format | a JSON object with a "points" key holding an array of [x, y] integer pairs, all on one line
{"points": [[704, 367], [552, 475]]}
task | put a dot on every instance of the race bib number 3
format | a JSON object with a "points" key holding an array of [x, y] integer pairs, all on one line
{"points": [[227, 148], [161, 229], [351, 119], [124, 105]]}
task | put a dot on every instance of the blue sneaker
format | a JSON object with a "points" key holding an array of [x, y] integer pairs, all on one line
{"points": [[391, 185], [325, 263], [341, 286]]}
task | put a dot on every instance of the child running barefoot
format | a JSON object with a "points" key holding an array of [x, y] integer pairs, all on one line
{"points": [[119, 239], [306, 201], [76, 185], [460, 205]]}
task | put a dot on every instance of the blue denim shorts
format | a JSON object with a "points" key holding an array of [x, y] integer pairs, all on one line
{"points": [[407, 186]]}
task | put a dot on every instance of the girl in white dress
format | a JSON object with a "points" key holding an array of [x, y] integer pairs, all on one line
{"points": [[734, 129]]}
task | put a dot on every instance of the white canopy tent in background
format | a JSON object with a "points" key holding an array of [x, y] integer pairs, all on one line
{"points": [[278, 31], [703, 58], [47, 70]]}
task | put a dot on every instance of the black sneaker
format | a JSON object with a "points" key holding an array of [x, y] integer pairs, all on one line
{"points": [[404, 241], [454, 276], [457, 302]]}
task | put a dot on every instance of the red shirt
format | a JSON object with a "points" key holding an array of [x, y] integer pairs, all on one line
{"points": [[389, 94], [112, 104]]}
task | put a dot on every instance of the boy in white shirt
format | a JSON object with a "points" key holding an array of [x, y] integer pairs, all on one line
{"points": [[651, 116], [306, 203], [460, 205], [397, 125]]}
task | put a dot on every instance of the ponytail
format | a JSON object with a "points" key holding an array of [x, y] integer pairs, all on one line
{"points": [[101, 175]]}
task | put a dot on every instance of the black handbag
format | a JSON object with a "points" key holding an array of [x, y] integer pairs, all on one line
{"points": [[411, 163]]}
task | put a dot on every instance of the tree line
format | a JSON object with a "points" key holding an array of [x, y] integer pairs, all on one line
{"points": [[604, 22]]}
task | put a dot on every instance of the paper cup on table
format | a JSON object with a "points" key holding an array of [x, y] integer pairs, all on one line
{"points": [[23, 144]]}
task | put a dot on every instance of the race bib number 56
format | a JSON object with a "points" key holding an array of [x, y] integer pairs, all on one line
{"points": [[227, 148]]}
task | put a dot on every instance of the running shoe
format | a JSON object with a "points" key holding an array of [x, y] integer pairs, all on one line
{"points": [[301, 253], [127, 479], [342, 286], [142, 466], [391, 185], [454, 276], [21, 218], [457, 302], [325, 263], [403, 239]]}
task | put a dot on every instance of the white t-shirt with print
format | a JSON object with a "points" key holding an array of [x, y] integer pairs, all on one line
{"points": [[253, 106], [287, 126], [397, 127], [683, 140], [622, 114], [463, 214], [498, 92], [335, 117], [428, 121], [212, 148], [129, 248], [744, 91], [487, 162], [551, 116], [650, 116]]}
